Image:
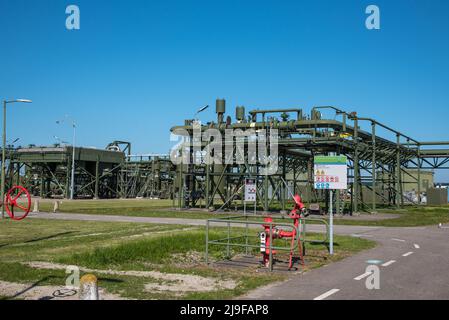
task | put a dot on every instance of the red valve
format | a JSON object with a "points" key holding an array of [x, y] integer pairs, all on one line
{"points": [[278, 233], [17, 203]]}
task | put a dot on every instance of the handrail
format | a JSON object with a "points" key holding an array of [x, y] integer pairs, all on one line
{"points": [[237, 221]]}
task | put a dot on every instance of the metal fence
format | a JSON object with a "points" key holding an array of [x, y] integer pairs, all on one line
{"points": [[243, 239]]}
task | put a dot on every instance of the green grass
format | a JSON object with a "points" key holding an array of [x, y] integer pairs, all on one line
{"points": [[131, 246], [160, 250], [109, 204], [156, 250], [41, 239], [410, 216], [125, 207]]}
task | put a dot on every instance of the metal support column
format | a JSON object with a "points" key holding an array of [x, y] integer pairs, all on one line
{"points": [[2, 191], [207, 184], [398, 172], [97, 176], [42, 191], [310, 180], [356, 168], [180, 185], [265, 193], [283, 187], [419, 174], [67, 179]]}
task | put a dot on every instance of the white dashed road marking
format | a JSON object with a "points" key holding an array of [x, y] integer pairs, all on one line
{"points": [[374, 261], [360, 277], [395, 239], [326, 294], [416, 246], [355, 235], [407, 254], [386, 264]]}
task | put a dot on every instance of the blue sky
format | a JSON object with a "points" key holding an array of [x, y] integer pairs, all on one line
{"points": [[136, 68]]}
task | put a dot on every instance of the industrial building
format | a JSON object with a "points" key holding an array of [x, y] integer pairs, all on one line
{"points": [[381, 171], [45, 171], [99, 173]]}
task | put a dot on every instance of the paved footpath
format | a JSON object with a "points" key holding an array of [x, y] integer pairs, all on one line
{"points": [[413, 262]]}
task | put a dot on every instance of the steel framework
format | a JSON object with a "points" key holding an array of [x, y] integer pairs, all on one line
{"points": [[109, 173], [376, 165], [146, 176], [45, 171]]}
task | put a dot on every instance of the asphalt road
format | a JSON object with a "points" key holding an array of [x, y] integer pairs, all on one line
{"points": [[413, 263]]}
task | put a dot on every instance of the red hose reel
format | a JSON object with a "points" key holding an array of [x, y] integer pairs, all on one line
{"points": [[17, 203]]}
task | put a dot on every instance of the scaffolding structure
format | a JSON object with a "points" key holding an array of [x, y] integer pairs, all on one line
{"points": [[45, 171], [146, 176], [380, 162], [99, 173], [376, 164]]}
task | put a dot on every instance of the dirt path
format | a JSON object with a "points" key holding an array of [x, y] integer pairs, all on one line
{"points": [[173, 282], [33, 291]]}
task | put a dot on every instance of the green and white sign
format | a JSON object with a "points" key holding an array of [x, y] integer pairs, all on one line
{"points": [[330, 172]]}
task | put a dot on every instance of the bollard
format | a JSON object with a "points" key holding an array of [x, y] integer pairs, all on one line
{"points": [[88, 287], [36, 206], [56, 206]]}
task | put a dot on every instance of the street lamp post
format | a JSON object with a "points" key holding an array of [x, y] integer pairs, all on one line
{"points": [[72, 182], [2, 191], [201, 110]]}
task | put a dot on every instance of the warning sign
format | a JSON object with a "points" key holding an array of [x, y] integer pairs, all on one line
{"points": [[250, 190], [330, 172]]}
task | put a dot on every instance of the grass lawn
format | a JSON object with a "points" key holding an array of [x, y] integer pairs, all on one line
{"points": [[125, 207], [158, 260], [410, 216]]}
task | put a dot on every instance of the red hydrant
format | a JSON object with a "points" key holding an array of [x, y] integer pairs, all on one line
{"points": [[277, 233]]}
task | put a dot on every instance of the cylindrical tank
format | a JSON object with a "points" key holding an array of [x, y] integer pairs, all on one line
{"points": [[240, 113], [220, 108]]}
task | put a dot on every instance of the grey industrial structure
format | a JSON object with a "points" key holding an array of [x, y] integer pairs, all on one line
{"points": [[381, 171], [109, 173]]}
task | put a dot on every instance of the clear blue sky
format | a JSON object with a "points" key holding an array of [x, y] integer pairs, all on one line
{"points": [[136, 68]]}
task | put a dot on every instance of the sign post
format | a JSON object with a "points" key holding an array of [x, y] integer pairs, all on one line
{"points": [[250, 196], [331, 173], [250, 193]]}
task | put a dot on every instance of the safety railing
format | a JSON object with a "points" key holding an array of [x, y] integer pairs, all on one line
{"points": [[244, 223]]}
